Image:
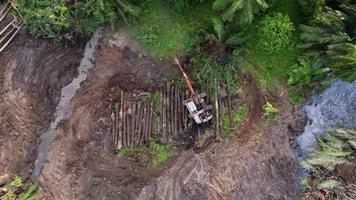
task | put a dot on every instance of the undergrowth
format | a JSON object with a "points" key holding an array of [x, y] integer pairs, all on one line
{"points": [[166, 32], [238, 115], [206, 71], [62, 20], [269, 112], [17, 189], [336, 149], [151, 155]]}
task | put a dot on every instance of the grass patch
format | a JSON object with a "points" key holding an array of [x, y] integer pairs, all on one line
{"points": [[165, 32], [238, 116], [151, 155]]}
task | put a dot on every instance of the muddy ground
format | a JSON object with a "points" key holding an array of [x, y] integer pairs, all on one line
{"points": [[255, 163]]}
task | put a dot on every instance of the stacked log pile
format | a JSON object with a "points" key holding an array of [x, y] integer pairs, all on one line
{"points": [[136, 118]]}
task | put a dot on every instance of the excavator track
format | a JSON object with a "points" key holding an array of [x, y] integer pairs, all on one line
{"points": [[9, 28]]}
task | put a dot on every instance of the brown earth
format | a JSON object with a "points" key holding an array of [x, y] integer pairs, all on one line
{"points": [[255, 163], [32, 73]]}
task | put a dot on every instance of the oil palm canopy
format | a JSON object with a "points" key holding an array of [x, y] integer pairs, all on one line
{"points": [[243, 10]]}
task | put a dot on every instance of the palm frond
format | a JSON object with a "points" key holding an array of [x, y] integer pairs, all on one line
{"points": [[218, 27], [221, 4], [229, 14]]}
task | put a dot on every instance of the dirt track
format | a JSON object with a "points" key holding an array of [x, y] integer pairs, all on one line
{"points": [[256, 163]]}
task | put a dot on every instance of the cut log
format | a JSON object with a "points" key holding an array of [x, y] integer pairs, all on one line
{"points": [[171, 112], [217, 108], [164, 119], [119, 143], [150, 117], [124, 125], [229, 107], [159, 124], [116, 119], [180, 111]]}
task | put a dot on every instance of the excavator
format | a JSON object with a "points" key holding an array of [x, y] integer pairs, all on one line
{"points": [[11, 29], [196, 105]]}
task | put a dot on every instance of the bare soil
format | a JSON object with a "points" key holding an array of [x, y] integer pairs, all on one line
{"points": [[32, 72], [254, 163]]}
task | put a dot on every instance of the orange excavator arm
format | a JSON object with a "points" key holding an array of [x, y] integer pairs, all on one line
{"points": [[186, 78]]}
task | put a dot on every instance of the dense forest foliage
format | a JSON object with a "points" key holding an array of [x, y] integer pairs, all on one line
{"points": [[305, 43]]}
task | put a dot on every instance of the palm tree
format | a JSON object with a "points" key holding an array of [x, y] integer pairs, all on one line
{"points": [[329, 46], [244, 10]]}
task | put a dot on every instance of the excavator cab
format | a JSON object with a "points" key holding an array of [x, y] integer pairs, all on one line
{"points": [[196, 105], [198, 109]]}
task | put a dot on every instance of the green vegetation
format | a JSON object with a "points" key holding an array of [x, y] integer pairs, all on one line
{"points": [[152, 155], [61, 20], [181, 5], [206, 71], [18, 190], [240, 10], [328, 47], [301, 73], [166, 32], [275, 33], [312, 9], [269, 112], [270, 48], [264, 34], [238, 116], [335, 150]]}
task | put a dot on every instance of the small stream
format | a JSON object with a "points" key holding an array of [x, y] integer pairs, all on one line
{"points": [[63, 107], [335, 107]]}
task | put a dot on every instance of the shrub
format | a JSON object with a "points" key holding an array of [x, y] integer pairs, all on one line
{"points": [[275, 33], [269, 111], [302, 73]]}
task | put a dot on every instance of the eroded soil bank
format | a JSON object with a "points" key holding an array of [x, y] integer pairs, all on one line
{"points": [[256, 163], [32, 72]]}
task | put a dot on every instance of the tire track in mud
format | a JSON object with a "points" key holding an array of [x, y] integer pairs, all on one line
{"points": [[31, 71]]}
